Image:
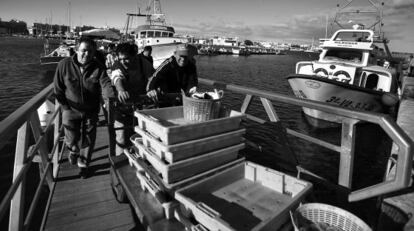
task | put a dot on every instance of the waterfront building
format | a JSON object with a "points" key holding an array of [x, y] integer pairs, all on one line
{"points": [[13, 27], [221, 41]]}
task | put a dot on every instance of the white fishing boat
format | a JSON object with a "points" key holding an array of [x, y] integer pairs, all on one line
{"points": [[156, 33], [347, 74]]}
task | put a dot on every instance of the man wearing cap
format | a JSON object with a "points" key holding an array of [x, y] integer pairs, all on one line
{"points": [[177, 73]]}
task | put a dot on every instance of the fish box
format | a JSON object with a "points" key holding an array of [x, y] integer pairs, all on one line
{"points": [[168, 124], [246, 196], [147, 175], [191, 166], [180, 151]]}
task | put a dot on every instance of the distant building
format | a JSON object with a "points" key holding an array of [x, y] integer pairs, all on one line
{"points": [[39, 29], [219, 41], [13, 27]]}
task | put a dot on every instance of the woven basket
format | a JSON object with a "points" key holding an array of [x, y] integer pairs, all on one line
{"points": [[200, 109], [331, 215]]}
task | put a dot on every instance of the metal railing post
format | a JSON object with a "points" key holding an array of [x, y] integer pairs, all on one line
{"points": [[43, 150], [56, 137], [346, 163], [17, 203]]}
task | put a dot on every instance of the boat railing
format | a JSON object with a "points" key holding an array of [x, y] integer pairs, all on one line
{"points": [[23, 120], [348, 135]]}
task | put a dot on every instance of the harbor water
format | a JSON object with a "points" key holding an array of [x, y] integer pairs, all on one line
{"points": [[21, 77]]}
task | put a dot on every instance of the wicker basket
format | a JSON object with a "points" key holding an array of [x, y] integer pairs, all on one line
{"points": [[331, 215], [200, 109]]}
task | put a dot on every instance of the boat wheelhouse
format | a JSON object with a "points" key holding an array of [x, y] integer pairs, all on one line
{"points": [[155, 33]]}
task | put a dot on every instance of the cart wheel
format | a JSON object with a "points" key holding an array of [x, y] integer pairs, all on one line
{"points": [[117, 188]]}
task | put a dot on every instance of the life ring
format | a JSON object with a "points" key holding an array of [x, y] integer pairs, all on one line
{"points": [[342, 76], [324, 72]]}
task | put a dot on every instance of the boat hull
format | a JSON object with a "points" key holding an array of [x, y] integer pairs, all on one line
{"points": [[336, 93]]}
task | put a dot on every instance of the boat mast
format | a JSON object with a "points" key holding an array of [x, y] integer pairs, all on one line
{"points": [[377, 10]]}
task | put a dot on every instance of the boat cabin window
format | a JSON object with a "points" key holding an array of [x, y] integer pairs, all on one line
{"points": [[353, 36], [143, 34], [170, 34], [372, 81], [150, 34], [347, 55], [164, 34], [157, 34]]}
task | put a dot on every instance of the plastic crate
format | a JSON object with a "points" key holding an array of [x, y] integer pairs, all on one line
{"points": [[189, 167], [176, 152], [150, 176], [333, 216], [244, 197], [168, 124]]}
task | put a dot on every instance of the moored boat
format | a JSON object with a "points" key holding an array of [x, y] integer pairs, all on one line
{"points": [[156, 33], [348, 73]]}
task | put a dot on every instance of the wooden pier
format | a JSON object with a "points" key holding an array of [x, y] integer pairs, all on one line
{"points": [[88, 204]]}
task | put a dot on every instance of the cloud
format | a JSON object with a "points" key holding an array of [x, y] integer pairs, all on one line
{"points": [[401, 4], [305, 27]]}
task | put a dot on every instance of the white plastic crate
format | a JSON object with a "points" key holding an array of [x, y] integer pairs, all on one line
{"points": [[176, 152], [168, 124], [246, 196], [191, 166]]}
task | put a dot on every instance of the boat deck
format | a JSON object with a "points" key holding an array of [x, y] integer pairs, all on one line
{"points": [[88, 204]]}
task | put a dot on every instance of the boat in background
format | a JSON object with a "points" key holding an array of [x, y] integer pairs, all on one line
{"points": [[54, 52], [155, 33], [348, 75]]}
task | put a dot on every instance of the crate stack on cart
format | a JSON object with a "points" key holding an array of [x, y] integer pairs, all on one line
{"points": [[194, 170]]}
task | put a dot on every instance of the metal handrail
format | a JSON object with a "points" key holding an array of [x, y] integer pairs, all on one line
{"points": [[15, 120], [400, 138], [23, 116]]}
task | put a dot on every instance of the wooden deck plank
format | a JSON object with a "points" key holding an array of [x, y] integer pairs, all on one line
{"points": [[88, 204], [84, 212], [105, 222]]}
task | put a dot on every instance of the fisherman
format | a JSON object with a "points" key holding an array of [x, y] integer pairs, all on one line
{"points": [[176, 74], [79, 82], [130, 75], [146, 53], [110, 58]]}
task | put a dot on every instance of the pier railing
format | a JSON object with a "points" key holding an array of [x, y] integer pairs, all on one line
{"points": [[26, 123], [347, 148]]}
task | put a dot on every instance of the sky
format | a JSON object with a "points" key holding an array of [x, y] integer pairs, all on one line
{"points": [[290, 21]]}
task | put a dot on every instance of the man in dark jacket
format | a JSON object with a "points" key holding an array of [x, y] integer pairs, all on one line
{"points": [[80, 81], [130, 75], [146, 53], [177, 73]]}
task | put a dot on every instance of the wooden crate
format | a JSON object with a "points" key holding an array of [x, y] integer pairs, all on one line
{"points": [[244, 197], [176, 152], [168, 124], [191, 166]]}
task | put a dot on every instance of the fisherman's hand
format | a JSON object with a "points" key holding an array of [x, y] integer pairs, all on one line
{"points": [[153, 94], [123, 96]]}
